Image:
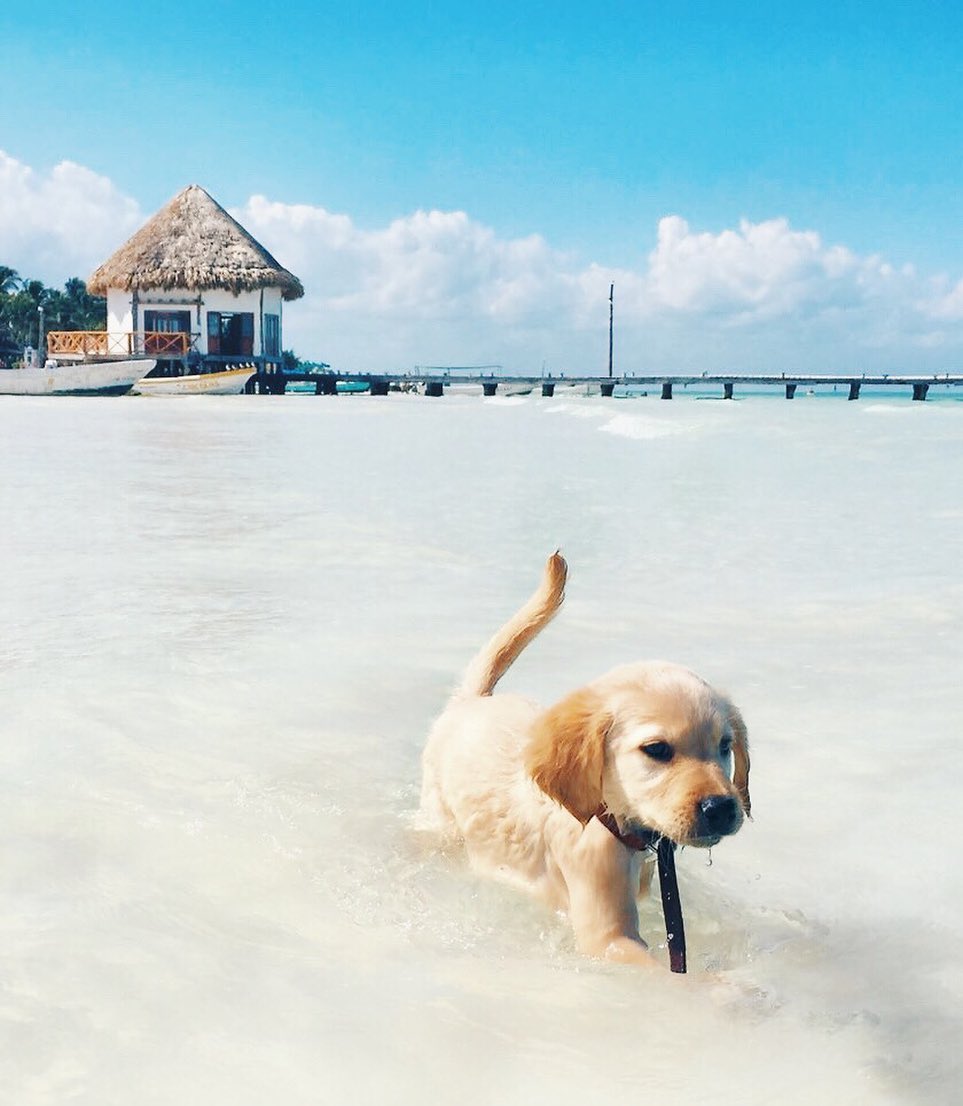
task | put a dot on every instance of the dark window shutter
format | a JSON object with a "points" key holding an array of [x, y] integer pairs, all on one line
{"points": [[272, 333], [150, 324], [247, 334], [214, 332]]}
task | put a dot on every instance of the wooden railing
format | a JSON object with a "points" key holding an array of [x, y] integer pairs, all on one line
{"points": [[101, 343], [161, 344]]}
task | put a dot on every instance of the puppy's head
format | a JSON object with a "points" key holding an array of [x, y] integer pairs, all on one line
{"points": [[653, 744]]}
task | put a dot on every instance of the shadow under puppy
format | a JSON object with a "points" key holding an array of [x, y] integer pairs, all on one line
{"points": [[546, 799]]}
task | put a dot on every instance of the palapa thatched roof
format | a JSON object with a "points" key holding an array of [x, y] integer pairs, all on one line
{"points": [[193, 243]]}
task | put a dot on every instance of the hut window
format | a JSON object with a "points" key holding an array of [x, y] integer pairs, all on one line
{"points": [[230, 333], [166, 322], [272, 335]]}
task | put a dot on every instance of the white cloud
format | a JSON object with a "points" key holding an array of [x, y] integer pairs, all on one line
{"points": [[438, 287], [944, 302], [62, 223], [761, 270], [429, 265]]}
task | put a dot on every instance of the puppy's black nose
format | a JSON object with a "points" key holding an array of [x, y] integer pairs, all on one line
{"points": [[718, 815]]}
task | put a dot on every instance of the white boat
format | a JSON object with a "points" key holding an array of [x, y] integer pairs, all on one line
{"points": [[86, 378], [228, 383]]}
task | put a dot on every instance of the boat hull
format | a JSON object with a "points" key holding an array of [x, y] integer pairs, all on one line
{"points": [[88, 378], [228, 383]]}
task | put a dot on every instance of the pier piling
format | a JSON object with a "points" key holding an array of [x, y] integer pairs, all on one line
{"points": [[666, 389], [854, 389]]}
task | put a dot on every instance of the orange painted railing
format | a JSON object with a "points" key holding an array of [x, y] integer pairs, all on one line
{"points": [[100, 343], [157, 342]]}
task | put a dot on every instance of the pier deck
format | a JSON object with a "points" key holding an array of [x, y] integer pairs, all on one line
{"points": [[435, 383]]}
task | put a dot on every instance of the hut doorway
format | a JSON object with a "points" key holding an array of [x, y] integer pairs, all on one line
{"points": [[230, 333]]}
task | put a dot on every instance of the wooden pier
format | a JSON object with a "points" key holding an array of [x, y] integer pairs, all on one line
{"points": [[435, 383]]}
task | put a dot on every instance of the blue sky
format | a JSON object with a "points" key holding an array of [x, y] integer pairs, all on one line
{"points": [[584, 125]]}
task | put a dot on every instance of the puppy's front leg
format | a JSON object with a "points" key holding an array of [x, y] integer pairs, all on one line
{"points": [[603, 878]]}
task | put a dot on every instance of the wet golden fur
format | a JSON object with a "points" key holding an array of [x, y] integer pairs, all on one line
{"points": [[520, 785]]}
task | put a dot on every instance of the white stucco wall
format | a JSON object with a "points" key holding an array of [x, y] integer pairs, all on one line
{"points": [[260, 303], [118, 312]]}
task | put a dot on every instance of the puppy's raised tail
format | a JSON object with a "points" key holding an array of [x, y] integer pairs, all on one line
{"points": [[500, 653]]}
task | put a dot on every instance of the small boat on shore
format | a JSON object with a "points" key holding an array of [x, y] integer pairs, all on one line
{"points": [[86, 378], [227, 383]]}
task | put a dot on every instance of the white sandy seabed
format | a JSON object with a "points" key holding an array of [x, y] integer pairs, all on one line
{"points": [[226, 626]]}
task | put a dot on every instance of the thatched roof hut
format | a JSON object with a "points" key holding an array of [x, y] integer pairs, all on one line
{"points": [[192, 243]]}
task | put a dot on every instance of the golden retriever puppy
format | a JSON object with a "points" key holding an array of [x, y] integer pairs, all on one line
{"points": [[549, 800]]}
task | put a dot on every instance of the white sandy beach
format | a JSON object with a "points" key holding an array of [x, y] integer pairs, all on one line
{"points": [[227, 623]]}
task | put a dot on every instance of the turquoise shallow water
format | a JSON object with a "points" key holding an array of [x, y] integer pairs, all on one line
{"points": [[228, 623]]}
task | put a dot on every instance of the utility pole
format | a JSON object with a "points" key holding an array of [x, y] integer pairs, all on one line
{"points": [[611, 315]]}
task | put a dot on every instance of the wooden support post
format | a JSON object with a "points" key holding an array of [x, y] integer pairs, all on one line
{"points": [[434, 388], [727, 390], [326, 386], [608, 387], [489, 387], [666, 389], [920, 390], [854, 389], [548, 388], [379, 387], [790, 391], [611, 317], [267, 385]]}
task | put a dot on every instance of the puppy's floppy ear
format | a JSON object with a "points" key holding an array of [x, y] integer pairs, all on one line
{"points": [[740, 757], [566, 753]]}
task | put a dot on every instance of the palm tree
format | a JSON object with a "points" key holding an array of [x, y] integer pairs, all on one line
{"points": [[9, 280]]}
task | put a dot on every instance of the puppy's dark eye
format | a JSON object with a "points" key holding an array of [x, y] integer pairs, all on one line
{"points": [[658, 750], [725, 746]]}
